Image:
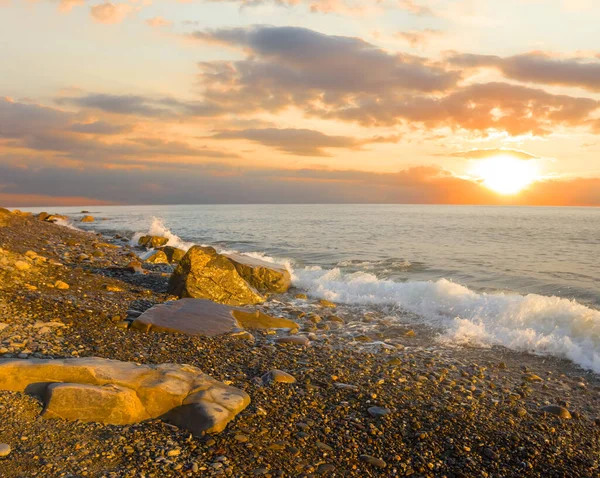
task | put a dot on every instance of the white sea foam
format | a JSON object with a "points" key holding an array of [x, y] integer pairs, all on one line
{"points": [[158, 228], [66, 223], [534, 323]]}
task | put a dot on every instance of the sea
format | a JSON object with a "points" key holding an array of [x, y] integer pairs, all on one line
{"points": [[526, 278]]}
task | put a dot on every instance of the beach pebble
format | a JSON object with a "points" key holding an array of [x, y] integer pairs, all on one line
{"points": [[371, 460], [22, 265], [560, 412], [327, 303], [4, 449], [293, 339], [278, 376], [61, 285], [376, 412]]}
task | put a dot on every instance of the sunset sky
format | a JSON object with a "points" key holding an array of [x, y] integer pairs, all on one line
{"points": [[235, 101]]}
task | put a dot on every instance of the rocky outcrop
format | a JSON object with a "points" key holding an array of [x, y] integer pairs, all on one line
{"points": [[118, 393], [152, 242], [263, 276], [174, 254], [87, 219], [157, 257], [203, 273], [204, 317]]}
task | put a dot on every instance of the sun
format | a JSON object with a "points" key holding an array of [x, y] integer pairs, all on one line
{"points": [[506, 174]]}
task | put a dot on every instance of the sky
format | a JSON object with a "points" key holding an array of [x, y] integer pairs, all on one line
{"points": [[299, 101]]}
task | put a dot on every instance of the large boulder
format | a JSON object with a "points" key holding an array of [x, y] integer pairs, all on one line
{"points": [[207, 318], [114, 392], [203, 273], [174, 254], [263, 276], [87, 219], [152, 242]]}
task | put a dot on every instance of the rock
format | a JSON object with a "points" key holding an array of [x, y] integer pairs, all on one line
{"points": [[377, 462], [327, 303], [560, 412], [278, 376], [61, 285], [135, 267], [301, 296], [377, 412], [112, 288], [325, 469], [42, 216], [4, 450], [22, 265], [293, 339], [55, 217], [87, 219], [205, 274], [335, 319], [263, 276], [206, 318], [109, 403], [152, 242], [157, 257], [173, 253], [114, 392]]}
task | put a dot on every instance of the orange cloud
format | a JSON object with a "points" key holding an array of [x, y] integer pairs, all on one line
{"points": [[158, 22], [110, 13]]}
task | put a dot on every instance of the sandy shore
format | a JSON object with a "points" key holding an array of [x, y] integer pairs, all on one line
{"points": [[440, 411]]}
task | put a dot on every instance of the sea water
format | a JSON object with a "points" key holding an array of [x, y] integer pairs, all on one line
{"points": [[527, 278]]}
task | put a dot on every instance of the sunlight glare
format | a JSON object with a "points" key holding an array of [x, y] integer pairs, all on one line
{"points": [[506, 174]]}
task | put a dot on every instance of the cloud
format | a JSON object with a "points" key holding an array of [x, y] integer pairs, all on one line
{"points": [[110, 13], [213, 183], [300, 142], [419, 38], [158, 22], [99, 127], [488, 153], [352, 7], [163, 107], [538, 67], [294, 59], [39, 128]]}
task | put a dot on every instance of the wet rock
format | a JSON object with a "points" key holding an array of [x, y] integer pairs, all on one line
{"points": [[152, 242], [301, 296], [205, 274], [157, 257], [22, 265], [87, 219], [173, 254], [263, 276], [327, 303]]}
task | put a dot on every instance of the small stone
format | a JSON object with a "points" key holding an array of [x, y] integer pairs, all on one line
{"points": [[174, 452], [4, 450], [325, 469], [558, 411], [241, 438], [278, 376], [327, 303], [377, 412], [293, 339], [410, 333], [22, 265], [371, 460], [61, 285], [301, 296]]}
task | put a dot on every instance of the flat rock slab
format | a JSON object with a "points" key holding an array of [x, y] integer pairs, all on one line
{"points": [[113, 392], [206, 318]]}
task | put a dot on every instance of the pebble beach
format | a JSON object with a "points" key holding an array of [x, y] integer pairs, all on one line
{"points": [[356, 397]]}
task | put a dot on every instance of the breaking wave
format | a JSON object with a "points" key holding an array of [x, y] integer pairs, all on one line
{"points": [[533, 323], [158, 228]]}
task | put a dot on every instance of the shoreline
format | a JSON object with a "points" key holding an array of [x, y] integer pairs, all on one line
{"points": [[453, 411]]}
